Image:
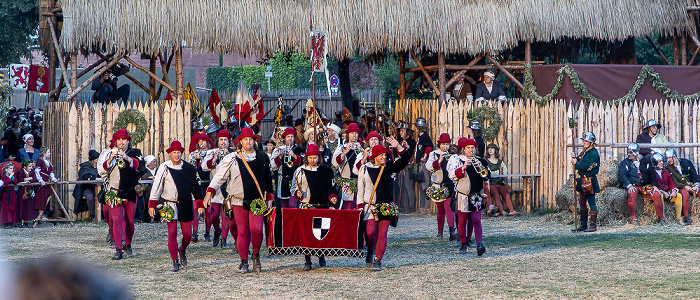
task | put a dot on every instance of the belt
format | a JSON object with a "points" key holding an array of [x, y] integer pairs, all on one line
{"points": [[171, 201]]}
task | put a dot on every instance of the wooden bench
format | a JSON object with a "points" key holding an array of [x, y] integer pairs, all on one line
{"points": [[527, 194]]}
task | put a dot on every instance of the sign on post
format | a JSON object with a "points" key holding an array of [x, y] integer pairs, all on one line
{"points": [[334, 83]]}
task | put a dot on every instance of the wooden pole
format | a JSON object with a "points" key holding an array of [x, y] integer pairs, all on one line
{"points": [[528, 53], [402, 76], [684, 50], [658, 51], [164, 68], [152, 81], [74, 69], [675, 50], [510, 76], [137, 82], [52, 64], [62, 84], [695, 55], [169, 87], [462, 72], [410, 81], [441, 76], [96, 75], [59, 53], [465, 67], [178, 75], [425, 73]]}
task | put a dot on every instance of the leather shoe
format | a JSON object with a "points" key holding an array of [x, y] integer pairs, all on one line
{"points": [[307, 266], [322, 262], [471, 244], [183, 258], [207, 238], [243, 267], [480, 249], [129, 252], [663, 222], [176, 266], [195, 238], [463, 249], [257, 267], [117, 256]]}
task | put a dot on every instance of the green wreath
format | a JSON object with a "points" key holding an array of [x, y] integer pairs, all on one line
{"points": [[132, 116], [490, 114], [258, 207]]}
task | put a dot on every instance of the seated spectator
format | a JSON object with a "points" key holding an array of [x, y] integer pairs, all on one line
{"points": [[630, 178], [462, 90], [84, 194], [650, 134], [669, 191], [497, 186], [686, 180], [489, 89], [28, 152], [106, 90]]}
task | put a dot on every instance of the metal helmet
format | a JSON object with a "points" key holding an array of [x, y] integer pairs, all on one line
{"points": [[671, 153], [589, 136], [420, 122], [633, 148], [656, 158], [651, 123], [401, 125], [475, 125]]}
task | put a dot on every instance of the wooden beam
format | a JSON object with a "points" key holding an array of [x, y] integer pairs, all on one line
{"points": [[528, 53], [62, 84], [510, 76], [402, 76], [164, 68], [462, 72], [59, 53], [455, 78], [169, 87], [178, 75], [94, 76], [136, 82], [74, 69], [684, 50], [692, 8], [441, 75], [151, 81], [413, 78], [695, 55], [658, 51], [425, 73], [676, 53], [466, 67]]}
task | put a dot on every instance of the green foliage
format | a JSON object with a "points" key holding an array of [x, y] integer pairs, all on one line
{"points": [[387, 79], [646, 54], [290, 71], [19, 22]]}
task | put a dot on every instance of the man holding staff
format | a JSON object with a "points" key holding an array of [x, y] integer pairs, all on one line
{"points": [[587, 164]]}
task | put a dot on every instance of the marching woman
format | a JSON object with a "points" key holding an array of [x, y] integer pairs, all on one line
{"points": [[26, 193], [497, 186], [211, 161], [176, 184], [470, 174], [249, 187], [313, 187], [43, 173], [8, 210], [442, 187], [345, 159], [374, 196], [587, 164], [285, 160]]}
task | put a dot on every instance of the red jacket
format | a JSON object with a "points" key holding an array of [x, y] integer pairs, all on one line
{"points": [[665, 181]]}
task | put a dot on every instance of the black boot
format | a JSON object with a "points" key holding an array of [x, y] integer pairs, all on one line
{"points": [[471, 244], [224, 245], [117, 255], [206, 237], [183, 258], [369, 258], [463, 249], [307, 263], [439, 236], [108, 239], [688, 221], [480, 249], [257, 267], [592, 224], [662, 221], [129, 253], [583, 214], [217, 235], [377, 266], [195, 237], [176, 265], [243, 267], [321, 261], [453, 234]]}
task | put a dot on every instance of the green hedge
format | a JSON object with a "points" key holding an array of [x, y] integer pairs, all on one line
{"points": [[290, 72]]}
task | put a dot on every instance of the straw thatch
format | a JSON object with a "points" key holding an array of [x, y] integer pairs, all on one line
{"points": [[452, 26]]}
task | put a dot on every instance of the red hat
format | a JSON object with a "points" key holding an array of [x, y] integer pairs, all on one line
{"points": [[463, 142], [288, 131], [352, 127], [378, 150], [246, 133], [175, 146], [444, 139], [312, 150], [120, 134], [371, 135], [224, 133], [200, 137]]}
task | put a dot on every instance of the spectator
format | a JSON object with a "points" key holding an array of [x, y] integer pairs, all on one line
{"points": [[106, 90], [684, 176], [26, 193], [299, 127], [462, 90], [489, 89], [669, 191], [8, 210], [498, 187], [84, 194], [28, 151], [151, 168], [13, 136]]}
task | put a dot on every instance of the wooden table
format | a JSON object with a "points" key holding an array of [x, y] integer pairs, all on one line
{"points": [[530, 184]]}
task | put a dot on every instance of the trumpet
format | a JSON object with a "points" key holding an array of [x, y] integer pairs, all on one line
{"points": [[193, 160], [287, 158], [479, 167], [356, 148], [120, 162]]}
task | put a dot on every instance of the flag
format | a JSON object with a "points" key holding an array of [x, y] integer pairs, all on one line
{"points": [[19, 76], [189, 94], [319, 52], [279, 114], [313, 119], [257, 111], [168, 96], [215, 106]]}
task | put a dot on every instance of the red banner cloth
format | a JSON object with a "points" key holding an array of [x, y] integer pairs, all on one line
{"points": [[38, 79], [327, 232]]}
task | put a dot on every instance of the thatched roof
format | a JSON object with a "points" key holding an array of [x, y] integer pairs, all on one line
{"points": [[367, 26]]}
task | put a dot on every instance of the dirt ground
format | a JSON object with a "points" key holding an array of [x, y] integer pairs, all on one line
{"points": [[531, 256]]}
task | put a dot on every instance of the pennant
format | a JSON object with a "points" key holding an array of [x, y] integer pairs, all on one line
{"points": [[19, 76], [189, 94], [214, 106], [313, 119], [257, 111], [244, 102], [279, 114], [319, 53], [168, 96]]}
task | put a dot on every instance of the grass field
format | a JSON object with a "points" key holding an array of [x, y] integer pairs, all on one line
{"points": [[527, 257]]}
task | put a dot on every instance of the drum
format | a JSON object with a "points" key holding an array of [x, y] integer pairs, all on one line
{"points": [[464, 185]]}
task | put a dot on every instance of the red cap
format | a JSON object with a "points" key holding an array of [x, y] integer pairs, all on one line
{"points": [[312, 150], [463, 142], [120, 134], [352, 127], [378, 150], [373, 134], [246, 133], [444, 139], [175, 146], [224, 133], [200, 137], [288, 131]]}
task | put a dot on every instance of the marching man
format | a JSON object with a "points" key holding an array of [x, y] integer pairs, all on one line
{"points": [[249, 188], [286, 159], [443, 185], [176, 184], [211, 161], [345, 159], [313, 186], [199, 147]]}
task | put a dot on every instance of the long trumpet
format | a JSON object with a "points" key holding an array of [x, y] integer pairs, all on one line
{"points": [[356, 148], [479, 167], [287, 158], [120, 162]]}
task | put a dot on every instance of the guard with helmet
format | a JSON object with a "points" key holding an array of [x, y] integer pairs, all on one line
{"points": [[630, 178], [423, 149], [684, 184], [587, 163]]}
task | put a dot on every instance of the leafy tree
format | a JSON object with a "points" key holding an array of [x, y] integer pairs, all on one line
{"points": [[19, 22]]}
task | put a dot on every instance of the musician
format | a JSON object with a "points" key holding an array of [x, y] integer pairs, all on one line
{"points": [[630, 178], [437, 165], [470, 173], [177, 185], [404, 192], [199, 145], [121, 168], [248, 178], [683, 183], [286, 159], [372, 139], [423, 147], [210, 163], [313, 186], [587, 164], [345, 158], [374, 197]]}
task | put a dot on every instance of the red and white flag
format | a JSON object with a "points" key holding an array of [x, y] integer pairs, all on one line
{"points": [[38, 79], [215, 107], [248, 108], [19, 76], [257, 112]]}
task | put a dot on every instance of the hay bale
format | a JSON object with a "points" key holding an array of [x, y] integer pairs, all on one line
{"points": [[612, 206], [607, 175], [695, 209], [650, 216], [564, 198]]}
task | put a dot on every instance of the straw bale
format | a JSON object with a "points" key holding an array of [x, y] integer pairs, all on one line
{"points": [[607, 175]]}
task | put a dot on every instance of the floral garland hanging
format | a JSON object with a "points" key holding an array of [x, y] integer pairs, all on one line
{"points": [[490, 114], [132, 116], [645, 73]]}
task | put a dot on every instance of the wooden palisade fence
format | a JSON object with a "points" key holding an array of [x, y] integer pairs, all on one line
{"points": [[72, 129], [533, 139]]}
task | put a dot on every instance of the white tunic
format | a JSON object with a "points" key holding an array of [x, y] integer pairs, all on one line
{"points": [[164, 186]]}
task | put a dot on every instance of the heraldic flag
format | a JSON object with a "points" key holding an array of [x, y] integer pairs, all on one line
{"points": [[329, 232]]}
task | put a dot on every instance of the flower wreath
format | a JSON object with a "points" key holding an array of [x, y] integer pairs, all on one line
{"points": [[167, 213], [388, 209], [437, 192], [477, 200], [647, 189], [132, 116], [112, 199], [258, 207], [305, 205], [351, 183], [489, 117]]}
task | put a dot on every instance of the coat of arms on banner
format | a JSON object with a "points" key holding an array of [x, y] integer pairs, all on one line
{"points": [[321, 227], [318, 51], [19, 76], [38, 79]]}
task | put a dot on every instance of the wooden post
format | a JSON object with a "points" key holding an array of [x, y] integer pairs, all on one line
{"points": [[178, 75], [59, 53], [96, 75], [165, 68], [74, 69], [137, 82], [658, 51], [402, 76], [684, 50], [151, 74], [52, 63], [675, 50], [528, 53], [425, 73], [456, 76], [510, 76], [441, 76], [152, 81]]}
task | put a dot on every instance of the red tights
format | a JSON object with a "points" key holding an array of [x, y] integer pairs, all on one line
{"points": [[227, 225], [467, 222], [498, 191], [122, 222], [377, 236], [186, 228], [250, 228], [444, 210]]}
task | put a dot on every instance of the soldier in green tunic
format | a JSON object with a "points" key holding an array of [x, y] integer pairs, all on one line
{"points": [[587, 164]]}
